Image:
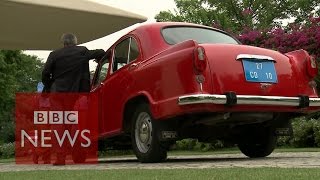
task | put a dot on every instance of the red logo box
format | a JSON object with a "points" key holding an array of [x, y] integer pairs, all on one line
{"points": [[56, 128]]}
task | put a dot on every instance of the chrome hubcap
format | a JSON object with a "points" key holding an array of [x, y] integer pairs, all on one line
{"points": [[143, 132]]}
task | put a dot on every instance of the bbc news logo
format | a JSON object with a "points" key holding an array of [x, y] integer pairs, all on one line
{"points": [[43, 137], [57, 126], [55, 117]]}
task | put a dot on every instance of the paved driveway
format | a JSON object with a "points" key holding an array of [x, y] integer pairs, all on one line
{"points": [[283, 160]]}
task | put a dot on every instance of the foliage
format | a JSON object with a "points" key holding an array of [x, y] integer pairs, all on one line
{"points": [[293, 37], [193, 144], [7, 130], [304, 134], [316, 131], [18, 73], [186, 144], [284, 141], [7, 150], [287, 39], [237, 15]]}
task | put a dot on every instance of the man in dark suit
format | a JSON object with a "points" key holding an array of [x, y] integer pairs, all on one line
{"points": [[67, 71]]}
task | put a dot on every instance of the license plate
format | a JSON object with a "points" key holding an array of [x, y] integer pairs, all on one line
{"points": [[259, 71]]}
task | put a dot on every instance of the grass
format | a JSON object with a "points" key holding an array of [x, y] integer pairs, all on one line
{"points": [[9, 160], [140, 174], [290, 149]]}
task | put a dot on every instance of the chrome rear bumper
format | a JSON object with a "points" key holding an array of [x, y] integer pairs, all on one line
{"points": [[302, 101]]}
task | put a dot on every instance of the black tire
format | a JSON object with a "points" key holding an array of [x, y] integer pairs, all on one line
{"points": [[146, 146], [258, 145]]}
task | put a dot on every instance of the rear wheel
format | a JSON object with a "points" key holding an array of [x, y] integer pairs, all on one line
{"points": [[258, 145], [146, 144]]}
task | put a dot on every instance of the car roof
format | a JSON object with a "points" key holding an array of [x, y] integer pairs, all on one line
{"points": [[150, 33], [164, 24]]}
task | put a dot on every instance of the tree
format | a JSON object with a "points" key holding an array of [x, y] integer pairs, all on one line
{"points": [[18, 73], [290, 38], [236, 15]]}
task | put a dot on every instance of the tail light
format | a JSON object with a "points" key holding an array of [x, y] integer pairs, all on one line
{"points": [[200, 59], [312, 67]]}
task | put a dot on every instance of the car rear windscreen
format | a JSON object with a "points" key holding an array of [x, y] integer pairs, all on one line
{"points": [[174, 35]]}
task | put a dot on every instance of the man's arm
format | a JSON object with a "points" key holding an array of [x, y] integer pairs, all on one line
{"points": [[95, 54], [47, 72]]}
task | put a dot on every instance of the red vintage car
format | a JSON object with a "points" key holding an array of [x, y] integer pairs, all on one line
{"points": [[163, 82]]}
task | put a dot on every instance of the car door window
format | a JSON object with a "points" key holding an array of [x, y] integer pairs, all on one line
{"points": [[102, 71], [125, 52], [134, 50], [120, 57]]}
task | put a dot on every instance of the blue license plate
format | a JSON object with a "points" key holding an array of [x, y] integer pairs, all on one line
{"points": [[259, 71]]}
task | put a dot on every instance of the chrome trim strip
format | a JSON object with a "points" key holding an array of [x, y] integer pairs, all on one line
{"points": [[268, 100], [245, 100], [314, 102], [202, 99], [252, 56]]}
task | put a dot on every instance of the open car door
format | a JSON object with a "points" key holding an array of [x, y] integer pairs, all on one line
{"points": [[113, 80]]}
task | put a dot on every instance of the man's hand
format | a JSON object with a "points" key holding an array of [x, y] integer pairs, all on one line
{"points": [[105, 55], [96, 54]]}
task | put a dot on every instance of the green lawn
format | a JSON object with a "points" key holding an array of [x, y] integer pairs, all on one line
{"points": [[7, 160], [286, 149], [140, 174]]}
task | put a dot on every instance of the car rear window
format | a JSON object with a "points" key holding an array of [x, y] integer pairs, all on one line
{"points": [[174, 35]]}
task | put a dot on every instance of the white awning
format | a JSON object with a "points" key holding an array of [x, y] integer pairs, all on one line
{"points": [[39, 24]]}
